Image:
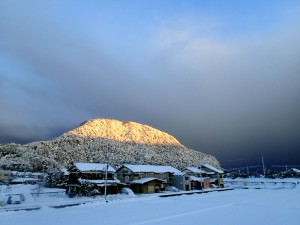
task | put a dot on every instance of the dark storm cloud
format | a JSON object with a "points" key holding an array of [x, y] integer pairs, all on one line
{"points": [[22, 134], [248, 106], [232, 97]]}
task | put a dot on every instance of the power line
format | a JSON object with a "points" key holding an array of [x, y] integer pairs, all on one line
{"points": [[244, 167], [285, 165]]}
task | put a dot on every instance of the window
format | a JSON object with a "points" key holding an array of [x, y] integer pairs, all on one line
{"points": [[126, 179]]}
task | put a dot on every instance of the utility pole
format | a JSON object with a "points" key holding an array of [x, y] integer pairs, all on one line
{"points": [[247, 170], [202, 183], [106, 168], [263, 164]]}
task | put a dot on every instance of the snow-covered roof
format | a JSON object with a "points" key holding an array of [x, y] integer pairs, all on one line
{"points": [[37, 174], [99, 181], [23, 173], [213, 168], [93, 167], [151, 168], [24, 179], [193, 178], [146, 180], [65, 171], [210, 173], [179, 174], [295, 170], [195, 170]]}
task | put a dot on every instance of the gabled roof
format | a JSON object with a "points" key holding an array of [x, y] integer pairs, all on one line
{"points": [[93, 167], [213, 168], [151, 168], [195, 170], [146, 180], [295, 170]]}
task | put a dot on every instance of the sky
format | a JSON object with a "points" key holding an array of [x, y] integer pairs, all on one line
{"points": [[223, 77]]}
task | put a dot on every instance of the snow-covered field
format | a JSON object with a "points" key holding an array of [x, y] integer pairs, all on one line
{"points": [[235, 207], [261, 183]]}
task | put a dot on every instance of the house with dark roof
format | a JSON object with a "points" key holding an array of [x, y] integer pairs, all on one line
{"points": [[87, 177]]}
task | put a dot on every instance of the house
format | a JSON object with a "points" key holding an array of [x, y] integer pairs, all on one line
{"points": [[199, 183], [146, 178], [181, 181], [23, 174], [26, 177], [293, 172], [85, 178], [5, 176], [194, 171], [147, 185], [198, 177], [215, 174], [92, 171]]}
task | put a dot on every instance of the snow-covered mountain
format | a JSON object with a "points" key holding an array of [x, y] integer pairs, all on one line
{"points": [[125, 142]]}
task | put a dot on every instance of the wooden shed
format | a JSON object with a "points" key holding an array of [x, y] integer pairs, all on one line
{"points": [[147, 185]]}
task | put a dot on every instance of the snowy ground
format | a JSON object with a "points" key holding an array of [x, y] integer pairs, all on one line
{"points": [[261, 183], [243, 206]]}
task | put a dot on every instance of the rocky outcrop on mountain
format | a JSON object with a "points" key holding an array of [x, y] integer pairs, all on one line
{"points": [[122, 142]]}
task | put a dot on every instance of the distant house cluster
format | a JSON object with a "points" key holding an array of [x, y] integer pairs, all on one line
{"points": [[92, 178], [15, 177]]}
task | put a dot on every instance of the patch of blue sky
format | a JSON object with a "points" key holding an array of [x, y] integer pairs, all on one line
{"points": [[16, 70], [20, 82]]}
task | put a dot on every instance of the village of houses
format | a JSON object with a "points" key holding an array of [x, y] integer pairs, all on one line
{"points": [[96, 179]]}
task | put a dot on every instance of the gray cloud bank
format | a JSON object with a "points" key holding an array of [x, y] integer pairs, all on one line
{"points": [[232, 98]]}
